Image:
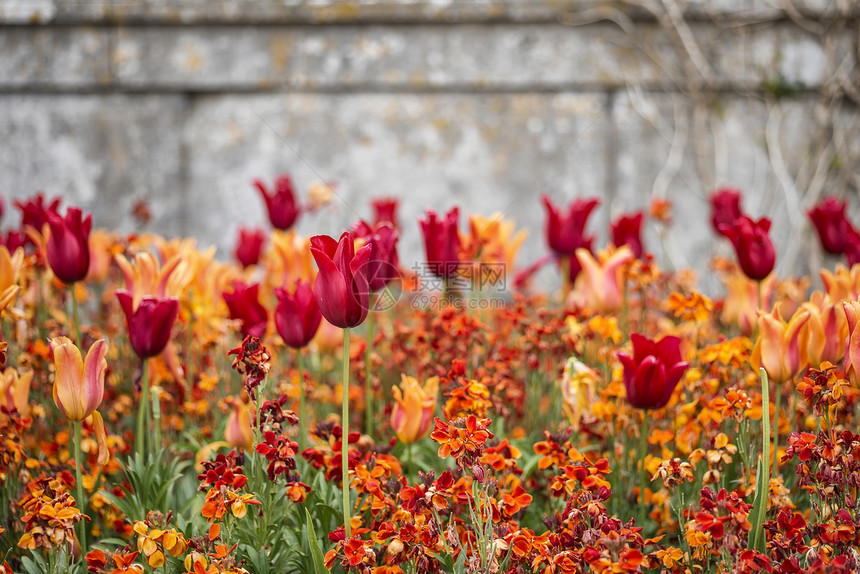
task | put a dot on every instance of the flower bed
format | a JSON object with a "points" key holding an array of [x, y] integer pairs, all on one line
{"points": [[165, 411]]}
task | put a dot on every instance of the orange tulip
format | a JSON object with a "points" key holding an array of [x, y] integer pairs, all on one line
{"points": [[852, 349], [599, 286], [78, 385], [412, 416], [826, 330], [10, 265], [781, 347], [740, 305], [15, 390], [146, 277], [238, 432]]}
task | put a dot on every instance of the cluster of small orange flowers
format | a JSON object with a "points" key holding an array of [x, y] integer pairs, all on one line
{"points": [[224, 477], [721, 525], [462, 439], [155, 540], [674, 472], [693, 307], [468, 397], [585, 473], [824, 391], [49, 513], [716, 457], [210, 555], [121, 561]]}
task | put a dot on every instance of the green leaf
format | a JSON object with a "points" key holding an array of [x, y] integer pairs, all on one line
{"points": [[756, 540], [316, 551]]}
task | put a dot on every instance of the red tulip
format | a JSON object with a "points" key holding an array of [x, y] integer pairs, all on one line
{"points": [[852, 248], [34, 212], [653, 372], [341, 288], [244, 304], [150, 324], [565, 233], [627, 230], [832, 225], [753, 246], [725, 207], [297, 316], [249, 246], [383, 266], [442, 242], [13, 240], [281, 204], [68, 247], [385, 209]]}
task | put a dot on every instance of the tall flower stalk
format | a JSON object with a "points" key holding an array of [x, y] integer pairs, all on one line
{"points": [[344, 440]]}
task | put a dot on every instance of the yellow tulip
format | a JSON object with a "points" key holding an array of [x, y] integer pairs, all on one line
{"points": [[78, 385], [578, 389], [781, 347], [15, 390], [412, 416]]}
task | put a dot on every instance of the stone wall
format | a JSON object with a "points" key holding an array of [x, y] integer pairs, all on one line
{"points": [[481, 103]]}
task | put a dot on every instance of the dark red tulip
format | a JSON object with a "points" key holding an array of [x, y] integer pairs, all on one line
{"points": [[68, 246], [249, 247], [281, 203], [442, 242], [341, 287], [13, 240], [385, 209], [297, 316], [383, 266], [755, 251], [832, 225], [852, 249], [627, 230], [725, 207], [34, 212], [150, 324], [565, 233], [244, 305], [653, 372]]}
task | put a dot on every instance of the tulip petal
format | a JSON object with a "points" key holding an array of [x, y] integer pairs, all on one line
{"points": [[330, 290], [94, 369], [101, 438], [68, 367]]}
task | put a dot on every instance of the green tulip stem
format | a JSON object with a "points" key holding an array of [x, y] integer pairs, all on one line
{"points": [[77, 323], [643, 475], [368, 383], [303, 422], [82, 506], [565, 278], [776, 401], [142, 410], [344, 440]]}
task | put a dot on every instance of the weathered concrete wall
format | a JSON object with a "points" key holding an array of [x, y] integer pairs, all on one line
{"points": [[482, 103]]}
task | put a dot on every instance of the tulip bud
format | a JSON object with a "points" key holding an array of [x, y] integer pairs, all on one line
{"points": [[385, 209], [68, 248], [627, 230], [653, 372], [78, 385], [442, 242], [725, 208], [341, 288], [832, 225], [753, 247], [281, 203], [249, 247], [150, 323], [297, 316]]}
